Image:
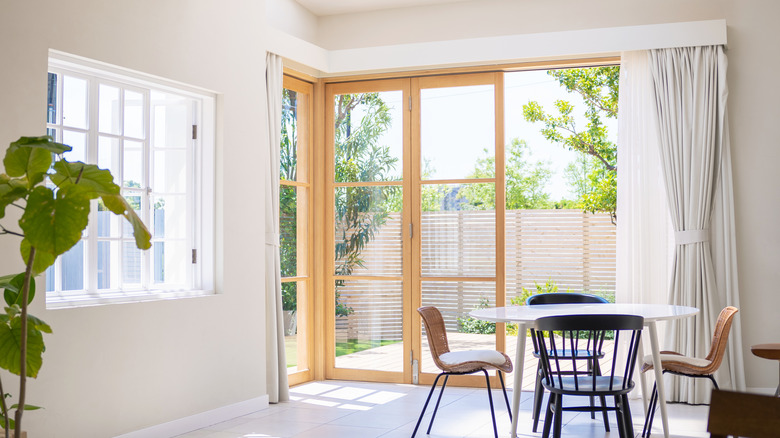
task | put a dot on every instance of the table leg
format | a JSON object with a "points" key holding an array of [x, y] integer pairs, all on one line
{"points": [[659, 376], [519, 367], [640, 359]]}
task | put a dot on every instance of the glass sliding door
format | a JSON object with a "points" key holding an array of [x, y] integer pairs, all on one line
{"points": [[457, 144], [367, 134], [295, 225]]}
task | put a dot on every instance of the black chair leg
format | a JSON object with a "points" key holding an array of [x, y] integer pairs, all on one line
{"points": [[548, 417], [592, 372], [604, 412], [490, 399], [628, 422], [425, 406], [506, 398], [538, 397], [650, 412], [438, 400], [558, 417], [621, 420]]}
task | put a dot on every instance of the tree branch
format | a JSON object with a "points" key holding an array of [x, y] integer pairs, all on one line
{"points": [[23, 344], [4, 230]]}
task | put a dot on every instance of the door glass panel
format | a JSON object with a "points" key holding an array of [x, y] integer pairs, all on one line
{"points": [[369, 325], [457, 128], [458, 230], [455, 299], [368, 230], [368, 129]]}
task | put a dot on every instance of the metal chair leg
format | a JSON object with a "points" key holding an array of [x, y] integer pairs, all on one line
{"points": [[650, 412], [490, 399], [438, 400], [506, 398], [425, 406]]}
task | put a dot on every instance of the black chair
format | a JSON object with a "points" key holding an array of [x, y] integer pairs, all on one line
{"points": [[592, 361], [558, 334]]}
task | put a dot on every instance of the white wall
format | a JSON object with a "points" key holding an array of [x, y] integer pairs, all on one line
{"points": [[486, 18], [114, 369]]}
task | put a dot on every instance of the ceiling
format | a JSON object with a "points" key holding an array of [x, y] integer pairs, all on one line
{"points": [[334, 7]]}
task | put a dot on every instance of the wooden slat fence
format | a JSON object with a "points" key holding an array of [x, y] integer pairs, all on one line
{"points": [[575, 250]]}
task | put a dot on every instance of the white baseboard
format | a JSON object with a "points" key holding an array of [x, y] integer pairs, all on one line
{"points": [[764, 391], [201, 420]]}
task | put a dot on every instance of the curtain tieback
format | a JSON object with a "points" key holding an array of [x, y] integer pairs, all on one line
{"points": [[272, 239], [686, 237]]}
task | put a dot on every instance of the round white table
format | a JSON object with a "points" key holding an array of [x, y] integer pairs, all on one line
{"points": [[524, 317]]}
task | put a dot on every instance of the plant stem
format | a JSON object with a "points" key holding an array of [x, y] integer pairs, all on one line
{"points": [[4, 407], [23, 345]]}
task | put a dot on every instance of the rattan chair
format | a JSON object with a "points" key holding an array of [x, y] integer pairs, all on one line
{"points": [[556, 334], [675, 363], [582, 354], [458, 363]]}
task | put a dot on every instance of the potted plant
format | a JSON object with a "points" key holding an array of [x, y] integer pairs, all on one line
{"points": [[54, 197]]}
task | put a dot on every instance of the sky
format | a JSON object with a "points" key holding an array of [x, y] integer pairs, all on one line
{"points": [[457, 126]]}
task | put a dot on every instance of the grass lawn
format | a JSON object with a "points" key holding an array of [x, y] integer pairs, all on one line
{"points": [[342, 348]]}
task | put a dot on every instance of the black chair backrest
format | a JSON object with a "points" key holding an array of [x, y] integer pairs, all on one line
{"points": [[563, 298], [560, 298], [558, 336]]}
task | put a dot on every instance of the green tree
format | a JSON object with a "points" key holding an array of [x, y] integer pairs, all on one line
{"points": [[525, 181], [598, 87], [288, 208]]}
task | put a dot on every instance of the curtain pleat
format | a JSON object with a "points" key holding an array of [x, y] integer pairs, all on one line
{"points": [[276, 362], [690, 93]]}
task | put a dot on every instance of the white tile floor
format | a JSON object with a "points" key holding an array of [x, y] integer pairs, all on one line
{"points": [[337, 409]]}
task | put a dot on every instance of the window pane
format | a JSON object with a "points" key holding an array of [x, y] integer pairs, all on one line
{"points": [[51, 99], [368, 230], [134, 114], [131, 263], [289, 146], [288, 231], [73, 268], [170, 121], [458, 119], [458, 230], [369, 325], [78, 141], [109, 120], [108, 155], [133, 167], [74, 102], [170, 171], [289, 307], [167, 262], [107, 253], [170, 215], [369, 136]]}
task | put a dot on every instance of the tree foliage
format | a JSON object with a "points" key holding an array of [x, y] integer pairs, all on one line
{"points": [[598, 88], [525, 181]]}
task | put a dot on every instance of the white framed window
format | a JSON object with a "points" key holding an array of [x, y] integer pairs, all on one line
{"points": [[157, 139]]}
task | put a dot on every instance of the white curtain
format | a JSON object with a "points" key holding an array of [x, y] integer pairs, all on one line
{"points": [[643, 226], [276, 362], [644, 255], [690, 93]]}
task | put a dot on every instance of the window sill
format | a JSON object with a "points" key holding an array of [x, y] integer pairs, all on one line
{"points": [[54, 302]]}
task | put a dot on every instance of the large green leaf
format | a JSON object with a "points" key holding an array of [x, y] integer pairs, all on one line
{"points": [[43, 142], [11, 189], [29, 161], [42, 261], [94, 180], [11, 353], [13, 292], [118, 205], [52, 224]]}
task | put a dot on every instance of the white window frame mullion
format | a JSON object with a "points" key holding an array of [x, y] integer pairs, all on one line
{"points": [[91, 244], [146, 256]]}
